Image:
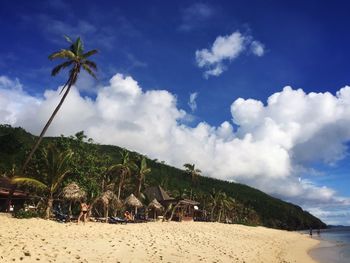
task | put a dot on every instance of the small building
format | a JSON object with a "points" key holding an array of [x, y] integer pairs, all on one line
{"points": [[185, 209], [17, 200]]}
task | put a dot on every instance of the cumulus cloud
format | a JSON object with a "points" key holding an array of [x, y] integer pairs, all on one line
{"points": [[192, 102], [272, 144], [226, 48]]}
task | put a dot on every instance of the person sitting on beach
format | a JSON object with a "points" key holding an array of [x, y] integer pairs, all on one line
{"points": [[128, 216], [84, 208]]}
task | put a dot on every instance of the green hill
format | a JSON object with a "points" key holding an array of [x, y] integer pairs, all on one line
{"points": [[254, 206]]}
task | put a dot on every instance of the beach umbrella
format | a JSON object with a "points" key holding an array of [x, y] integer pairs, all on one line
{"points": [[155, 205], [131, 200], [73, 193], [106, 198]]}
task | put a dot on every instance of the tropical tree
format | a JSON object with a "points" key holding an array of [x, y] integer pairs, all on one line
{"points": [[124, 170], [193, 172], [74, 58], [225, 203], [143, 170], [214, 197], [56, 167]]}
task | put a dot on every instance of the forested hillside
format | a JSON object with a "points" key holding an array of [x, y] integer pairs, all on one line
{"points": [[91, 160]]}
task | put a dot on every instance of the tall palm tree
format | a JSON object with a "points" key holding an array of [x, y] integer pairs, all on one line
{"points": [[192, 171], [75, 58], [214, 201], [225, 203], [143, 170], [124, 170], [56, 167]]}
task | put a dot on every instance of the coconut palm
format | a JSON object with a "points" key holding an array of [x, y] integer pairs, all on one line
{"points": [[124, 170], [75, 58], [192, 171], [214, 201], [56, 168], [224, 204], [143, 170]]}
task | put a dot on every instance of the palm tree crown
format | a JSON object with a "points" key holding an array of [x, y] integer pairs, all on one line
{"points": [[191, 169], [76, 58]]}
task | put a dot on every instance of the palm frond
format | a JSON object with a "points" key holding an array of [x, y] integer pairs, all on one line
{"points": [[59, 67], [63, 53], [68, 39], [29, 181], [88, 70], [89, 53], [91, 64]]}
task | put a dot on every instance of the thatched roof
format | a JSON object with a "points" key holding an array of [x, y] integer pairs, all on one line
{"points": [[157, 192], [108, 196], [133, 201], [73, 192], [155, 204], [188, 202]]}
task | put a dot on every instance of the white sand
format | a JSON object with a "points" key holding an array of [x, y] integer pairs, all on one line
{"points": [[38, 240]]}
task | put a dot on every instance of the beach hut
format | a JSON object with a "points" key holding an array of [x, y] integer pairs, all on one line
{"points": [[107, 198], [155, 206], [158, 193], [72, 193], [131, 200], [185, 209], [18, 197]]}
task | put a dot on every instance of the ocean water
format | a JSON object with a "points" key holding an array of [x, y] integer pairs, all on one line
{"points": [[335, 246]]}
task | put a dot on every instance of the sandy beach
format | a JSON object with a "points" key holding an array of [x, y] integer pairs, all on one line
{"points": [[38, 240]]}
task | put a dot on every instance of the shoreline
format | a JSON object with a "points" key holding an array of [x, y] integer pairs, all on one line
{"points": [[38, 240], [330, 251]]}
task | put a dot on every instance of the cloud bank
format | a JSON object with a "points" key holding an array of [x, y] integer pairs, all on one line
{"points": [[226, 49], [272, 148]]}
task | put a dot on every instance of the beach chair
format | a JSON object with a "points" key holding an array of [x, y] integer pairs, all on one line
{"points": [[116, 220]]}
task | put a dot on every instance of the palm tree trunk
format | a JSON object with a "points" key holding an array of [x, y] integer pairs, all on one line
{"points": [[120, 189], [173, 211], [212, 213], [139, 189], [48, 207], [219, 217], [70, 210], [41, 136]]}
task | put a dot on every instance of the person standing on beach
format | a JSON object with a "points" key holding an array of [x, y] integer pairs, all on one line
{"points": [[84, 208], [310, 231]]}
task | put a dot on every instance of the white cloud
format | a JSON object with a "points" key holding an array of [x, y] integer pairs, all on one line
{"points": [[273, 143], [194, 16], [192, 102], [257, 48], [226, 48]]}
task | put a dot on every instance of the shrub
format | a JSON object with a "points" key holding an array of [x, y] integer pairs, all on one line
{"points": [[25, 214]]}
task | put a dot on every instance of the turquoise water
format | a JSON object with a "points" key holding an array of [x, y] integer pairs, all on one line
{"points": [[335, 247]]}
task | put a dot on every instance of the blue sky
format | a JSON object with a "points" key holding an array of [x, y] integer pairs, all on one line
{"points": [[304, 44]]}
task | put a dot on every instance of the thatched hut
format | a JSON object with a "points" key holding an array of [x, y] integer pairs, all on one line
{"points": [[155, 206], [107, 198], [73, 193], [131, 200]]}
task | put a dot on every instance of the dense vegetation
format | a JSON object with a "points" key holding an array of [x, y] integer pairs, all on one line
{"points": [[99, 169]]}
